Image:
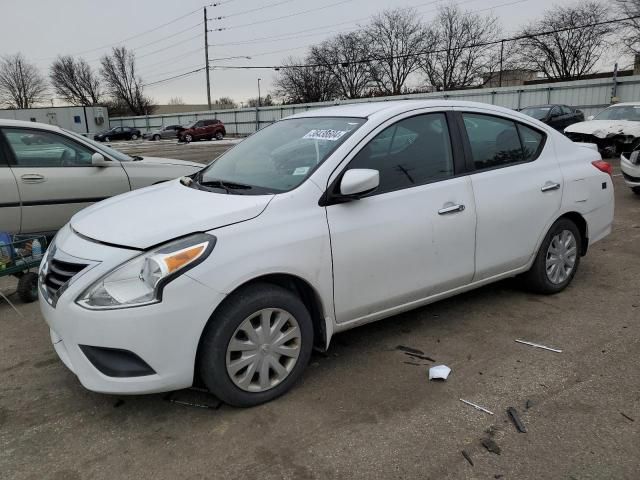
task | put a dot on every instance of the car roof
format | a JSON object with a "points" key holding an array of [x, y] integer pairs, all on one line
{"points": [[625, 104], [393, 107], [5, 122]]}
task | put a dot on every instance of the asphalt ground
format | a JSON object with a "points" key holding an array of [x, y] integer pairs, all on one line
{"points": [[366, 410]]}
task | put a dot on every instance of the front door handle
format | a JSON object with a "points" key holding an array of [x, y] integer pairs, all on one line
{"points": [[450, 207], [547, 187], [32, 178]]}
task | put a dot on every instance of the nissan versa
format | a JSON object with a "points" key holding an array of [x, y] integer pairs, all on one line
{"points": [[315, 224]]}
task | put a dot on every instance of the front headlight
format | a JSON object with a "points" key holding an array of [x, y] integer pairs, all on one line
{"points": [[140, 281]]}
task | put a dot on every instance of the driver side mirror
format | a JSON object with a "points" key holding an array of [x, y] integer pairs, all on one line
{"points": [[98, 160], [359, 181]]}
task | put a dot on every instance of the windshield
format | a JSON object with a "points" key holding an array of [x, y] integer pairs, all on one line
{"points": [[536, 112], [623, 112], [281, 156], [121, 157]]}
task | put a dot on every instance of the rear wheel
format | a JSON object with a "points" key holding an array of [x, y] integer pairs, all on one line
{"points": [[156, 137], [188, 138], [636, 190], [134, 137], [256, 345], [106, 139], [557, 260], [28, 287]]}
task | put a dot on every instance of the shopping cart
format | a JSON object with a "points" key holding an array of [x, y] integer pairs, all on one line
{"points": [[20, 255]]}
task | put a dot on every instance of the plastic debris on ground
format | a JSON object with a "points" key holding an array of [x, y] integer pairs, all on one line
{"points": [[440, 372]]}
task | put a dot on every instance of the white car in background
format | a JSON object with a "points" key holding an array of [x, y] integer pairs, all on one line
{"points": [[630, 167], [47, 174], [316, 224]]}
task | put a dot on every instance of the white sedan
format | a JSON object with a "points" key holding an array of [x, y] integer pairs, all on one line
{"points": [[315, 224], [47, 174]]}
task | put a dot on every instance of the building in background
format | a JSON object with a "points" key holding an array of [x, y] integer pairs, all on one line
{"points": [[82, 120], [509, 78]]}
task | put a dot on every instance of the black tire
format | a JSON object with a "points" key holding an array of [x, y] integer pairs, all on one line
{"points": [[106, 139], [156, 137], [636, 190], [133, 137], [28, 287], [219, 136], [212, 355], [536, 279]]}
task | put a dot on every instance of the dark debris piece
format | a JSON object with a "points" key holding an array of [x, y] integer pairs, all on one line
{"points": [[490, 445], [194, 398], [528, 405], [402, 348], [515, 418], [466, 455], [421, 357], [627, 416], [118, 403], [412, 363]]}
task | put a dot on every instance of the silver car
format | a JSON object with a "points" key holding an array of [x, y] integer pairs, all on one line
{"points": [[168, 132], [47, 174]]}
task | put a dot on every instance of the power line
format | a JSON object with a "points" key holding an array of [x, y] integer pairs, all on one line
{"points": [[254, 9], [170, 46], [428, 52], [174, 77], [283, 16]]}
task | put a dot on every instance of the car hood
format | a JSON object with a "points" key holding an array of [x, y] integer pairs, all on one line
{"points": [[153, 215], [169, 161], [605, 128]]}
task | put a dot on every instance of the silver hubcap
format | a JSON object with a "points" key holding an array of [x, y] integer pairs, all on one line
{"points": [[263, 350], [561, 257]]}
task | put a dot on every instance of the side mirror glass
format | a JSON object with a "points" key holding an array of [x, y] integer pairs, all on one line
{"points": [[359, 181], [98, 160]]}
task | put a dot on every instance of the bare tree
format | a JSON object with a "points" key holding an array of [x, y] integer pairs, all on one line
{"points": [[395, 37], [21, 84], [266, 101], [575, 44], [461, 54], [343, 56], [631, 30], [124, 86], [75, 81], [224, 103], [176, 101], [297, 83]]}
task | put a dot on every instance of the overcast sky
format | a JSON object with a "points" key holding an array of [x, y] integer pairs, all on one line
{"points": [[43, 29]]}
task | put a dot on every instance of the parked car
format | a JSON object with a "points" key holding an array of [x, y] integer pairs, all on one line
{"points": [[170, 131], [556, 116], [232, 275], [47, 174], [630, 167], [117, 133], [614, 130], [202, 130]]}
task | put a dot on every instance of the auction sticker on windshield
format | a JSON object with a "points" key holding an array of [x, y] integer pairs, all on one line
{"points": [[327, 134]]}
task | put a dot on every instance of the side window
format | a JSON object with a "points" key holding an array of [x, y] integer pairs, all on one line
{"points": [[532, 142], [412, 152], [494, 141], [555, 112], [38, 148], [199, 124], [566, 110]]}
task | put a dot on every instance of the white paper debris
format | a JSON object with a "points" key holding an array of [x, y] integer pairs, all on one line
{"points": [[537, 345], [327, 134], [439, 371]]}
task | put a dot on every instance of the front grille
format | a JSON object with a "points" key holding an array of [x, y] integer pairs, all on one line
{"points": [[59, 273]]}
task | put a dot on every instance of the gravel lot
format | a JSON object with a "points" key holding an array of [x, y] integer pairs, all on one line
{"points": [[203, 151], [364, 410]]}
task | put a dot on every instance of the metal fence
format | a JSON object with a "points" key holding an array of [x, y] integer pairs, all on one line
{"points": [[590, 96]]}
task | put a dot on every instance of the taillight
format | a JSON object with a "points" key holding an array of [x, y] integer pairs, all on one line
{"points": [[603, 166]]}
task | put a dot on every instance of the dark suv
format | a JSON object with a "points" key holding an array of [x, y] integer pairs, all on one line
{"points": [[202, 129]]}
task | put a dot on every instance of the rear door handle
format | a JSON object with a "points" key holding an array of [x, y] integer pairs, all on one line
{"points": [[547, 187], [32, 178], [450, 207]]}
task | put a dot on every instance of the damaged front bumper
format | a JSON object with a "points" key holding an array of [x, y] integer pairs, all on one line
{"points": [[611, 145]]}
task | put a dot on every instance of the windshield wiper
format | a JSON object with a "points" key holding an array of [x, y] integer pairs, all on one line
{"points": [[224, 184]]}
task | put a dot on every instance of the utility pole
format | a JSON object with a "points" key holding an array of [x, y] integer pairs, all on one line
{"points": [[206, 57], [259, 101]]}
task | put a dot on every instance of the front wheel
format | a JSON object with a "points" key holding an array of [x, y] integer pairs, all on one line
{"points": [[256, 345], [106, 139], [156, 137], [188, 138], [134, 137], [557, 260], [219, 136]]}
